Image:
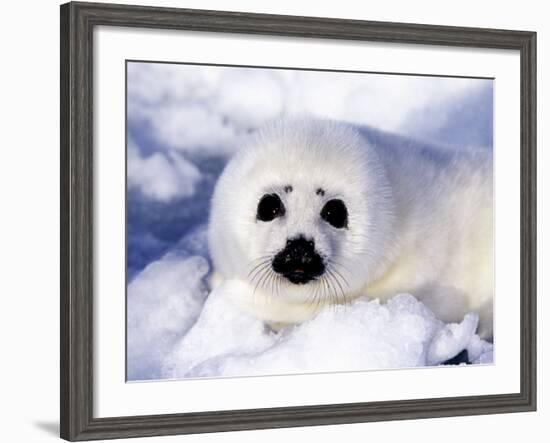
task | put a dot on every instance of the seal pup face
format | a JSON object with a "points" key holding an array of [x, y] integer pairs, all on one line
{"points": [[302, 213], [301, 260]]}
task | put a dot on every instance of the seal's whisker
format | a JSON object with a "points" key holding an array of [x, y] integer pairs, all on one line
{"points": [[330, 288], [312, 296], [273, 284], [338, 273], [266, 260], [263, 272], [260, 269], [264, 279], [335, 278], [325, 292], [318, 298], [321, 288], [346, 300], [261, 258]]}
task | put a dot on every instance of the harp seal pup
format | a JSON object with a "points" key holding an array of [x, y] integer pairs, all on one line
{"points": [[311, 213]]}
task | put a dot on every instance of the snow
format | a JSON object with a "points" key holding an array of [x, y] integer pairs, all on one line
{"points": [[210, 109], [164, 300], [184, 123], [176, 331], [161, 176]]}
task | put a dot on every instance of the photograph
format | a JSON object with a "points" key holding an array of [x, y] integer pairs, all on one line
{"points": [[293, 221]]}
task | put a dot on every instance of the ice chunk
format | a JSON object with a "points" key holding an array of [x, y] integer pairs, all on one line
{"points": [[164, 301], [452, 339], [362, 335]]}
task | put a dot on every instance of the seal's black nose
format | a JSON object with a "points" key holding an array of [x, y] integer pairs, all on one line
{"points": [[298, 261]]}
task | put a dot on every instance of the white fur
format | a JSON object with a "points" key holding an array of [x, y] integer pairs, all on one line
{"points": [[420, 221]]}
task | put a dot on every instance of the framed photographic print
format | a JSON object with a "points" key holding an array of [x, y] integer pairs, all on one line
{"points": [[272, 221]]}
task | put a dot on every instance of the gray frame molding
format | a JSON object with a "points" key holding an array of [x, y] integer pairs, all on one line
{"points": [[77, 23]]}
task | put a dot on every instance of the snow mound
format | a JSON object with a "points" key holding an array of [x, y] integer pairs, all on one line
{"points": [[163, 302], [362, 335]]}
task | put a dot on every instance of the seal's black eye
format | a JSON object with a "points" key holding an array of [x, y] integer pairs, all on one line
{"points": [[270, 207], [335, 213]]}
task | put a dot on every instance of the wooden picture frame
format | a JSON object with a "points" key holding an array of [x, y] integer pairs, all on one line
{"points": [[78, 21]]}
